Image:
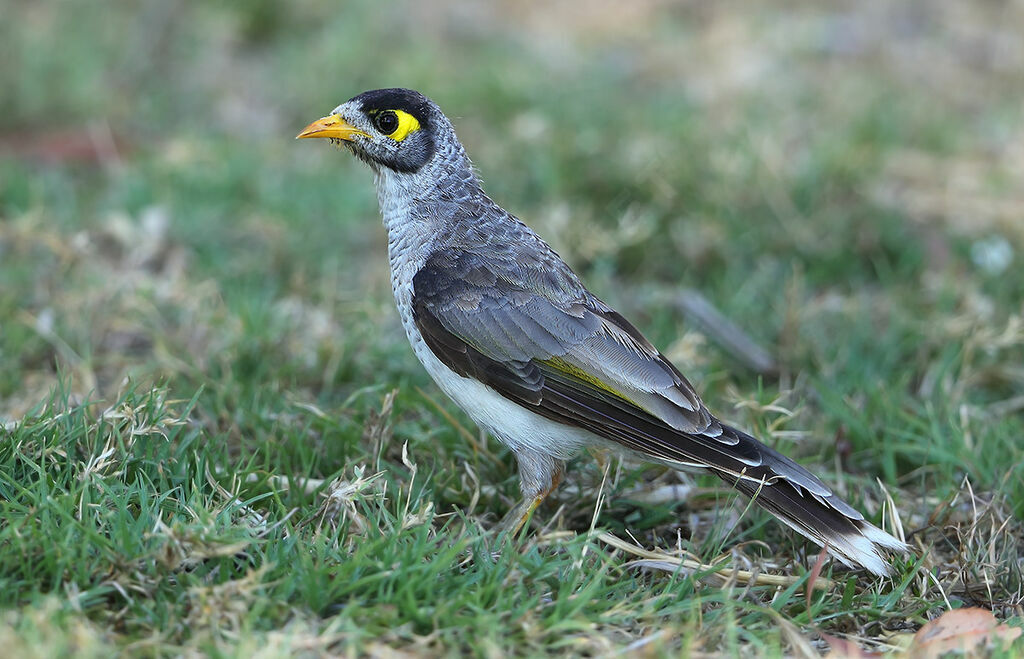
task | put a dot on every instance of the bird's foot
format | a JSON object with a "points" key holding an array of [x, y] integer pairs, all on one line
{"points": [[513, 522]]}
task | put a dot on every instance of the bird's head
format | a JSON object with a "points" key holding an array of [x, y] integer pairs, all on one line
{"points": [[394, 129]]}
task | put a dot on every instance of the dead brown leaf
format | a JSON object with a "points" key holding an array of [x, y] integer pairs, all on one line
{"points": [[961, 630], [846, 649]]}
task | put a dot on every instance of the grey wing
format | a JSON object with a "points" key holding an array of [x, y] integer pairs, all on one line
{"points": [[519, 318], [541, 340]]}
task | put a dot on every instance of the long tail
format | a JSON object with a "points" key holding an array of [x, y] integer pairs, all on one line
{"points": [[783, 487], [805, 504]]}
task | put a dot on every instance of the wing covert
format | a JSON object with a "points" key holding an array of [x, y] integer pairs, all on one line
{"points": [[520, 328]]}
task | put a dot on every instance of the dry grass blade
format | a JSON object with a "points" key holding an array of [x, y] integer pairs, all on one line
{"points": [[798, 643], [668, 561], [340, 499]]}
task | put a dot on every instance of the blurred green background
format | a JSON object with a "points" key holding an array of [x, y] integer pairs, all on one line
{"points": [[845, 181]]}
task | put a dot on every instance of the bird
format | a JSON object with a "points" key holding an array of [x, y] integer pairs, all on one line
{"points": [[509, 332]]}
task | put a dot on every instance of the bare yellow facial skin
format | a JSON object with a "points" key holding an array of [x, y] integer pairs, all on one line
{"points": [[406, 124]]}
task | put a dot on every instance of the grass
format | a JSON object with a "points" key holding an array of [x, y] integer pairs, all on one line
{"points": [[214, 438]]}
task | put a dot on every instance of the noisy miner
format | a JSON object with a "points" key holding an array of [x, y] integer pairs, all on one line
{"points": [[507, 330]]}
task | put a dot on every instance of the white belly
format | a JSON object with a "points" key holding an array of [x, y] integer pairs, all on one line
{"points": [[515, 426]]}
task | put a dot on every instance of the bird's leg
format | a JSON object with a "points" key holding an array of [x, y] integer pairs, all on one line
{"points": [[514, 519], [539, 475]]}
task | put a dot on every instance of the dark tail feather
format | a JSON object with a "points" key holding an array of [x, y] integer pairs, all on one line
{"points": [[806, 505], [786, 489]]}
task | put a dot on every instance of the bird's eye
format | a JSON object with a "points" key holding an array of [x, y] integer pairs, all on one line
{"points": [[386, 122]]}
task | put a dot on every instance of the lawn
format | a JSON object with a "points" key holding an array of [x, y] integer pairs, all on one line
{"points": [[214, 438]]}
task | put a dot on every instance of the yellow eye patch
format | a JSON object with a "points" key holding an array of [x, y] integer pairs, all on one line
{"points": [[406, 124], [396, 124]]}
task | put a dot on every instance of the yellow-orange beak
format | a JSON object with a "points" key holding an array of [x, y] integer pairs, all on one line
{"points": [[332, 126]]}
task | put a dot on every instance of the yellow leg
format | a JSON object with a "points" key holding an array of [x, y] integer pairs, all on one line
{"points": [[514, 520]]}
